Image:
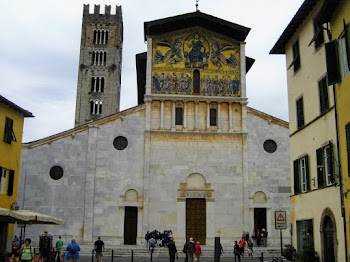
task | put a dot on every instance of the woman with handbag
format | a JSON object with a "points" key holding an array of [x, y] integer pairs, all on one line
{"points": [[27, 251]]}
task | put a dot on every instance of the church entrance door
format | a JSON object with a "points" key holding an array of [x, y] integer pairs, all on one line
{"points": [[130, 225], [196, 222], [260, 218]]}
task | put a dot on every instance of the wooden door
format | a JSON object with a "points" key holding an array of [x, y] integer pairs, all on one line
{"points": [[328, 240], [130, 225], [260, 218], [196, 222]]}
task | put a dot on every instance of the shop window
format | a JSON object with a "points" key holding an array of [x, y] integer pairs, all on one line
{"points": [[305, 234]]}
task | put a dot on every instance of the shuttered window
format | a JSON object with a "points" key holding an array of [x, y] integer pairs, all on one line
{"points": [[325, 166], [302, 182], [300, 112], [332, 62], [296, 57], [9, 134], [296, 177], [347, 130], [11, 183], [323, 93], [178, 116]]}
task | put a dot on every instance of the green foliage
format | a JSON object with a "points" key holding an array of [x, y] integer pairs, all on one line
{"points": [[308, 254], [289, 252]]}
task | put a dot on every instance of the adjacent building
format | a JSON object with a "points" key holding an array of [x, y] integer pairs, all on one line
{"points": [[191, 157], [318, 113], [11, 129]]}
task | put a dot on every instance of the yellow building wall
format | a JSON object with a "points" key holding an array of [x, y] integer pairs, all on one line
{"points": [[318, 131], [343, 103], [10, 154]]}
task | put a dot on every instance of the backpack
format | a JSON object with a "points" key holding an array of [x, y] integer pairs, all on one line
{"points": [[73, 250]]}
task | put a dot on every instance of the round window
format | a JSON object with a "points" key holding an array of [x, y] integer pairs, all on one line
{"points": [[56, 172], [270, 146], [120, 143]]}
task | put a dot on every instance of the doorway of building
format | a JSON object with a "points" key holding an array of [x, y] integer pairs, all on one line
{"points": [[328, 240], [3, 237], [260, 218], [196, 221], [130, 225]]}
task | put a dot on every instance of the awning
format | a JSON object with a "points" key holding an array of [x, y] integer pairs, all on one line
{"points": [[27, 217]]}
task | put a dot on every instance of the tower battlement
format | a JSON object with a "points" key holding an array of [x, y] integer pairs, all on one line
{"points": [[97, 11]]}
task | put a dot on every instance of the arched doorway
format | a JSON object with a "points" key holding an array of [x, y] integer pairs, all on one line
{"points": [[260, 199], [130, 218], [328, 240]]}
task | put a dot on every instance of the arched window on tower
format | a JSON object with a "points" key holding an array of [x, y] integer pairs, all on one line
{"points": [[102, 84], [92, 84], [104, 58], [106, 40], [97, 84], [196, 82]]}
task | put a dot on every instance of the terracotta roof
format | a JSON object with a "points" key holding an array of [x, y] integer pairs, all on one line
{"points": [[293, 26], [206, 21], [15, 107]]}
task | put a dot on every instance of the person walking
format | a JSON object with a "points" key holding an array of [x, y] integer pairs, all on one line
{"points": [[172, 249], [99, 246], [73, 249], [242, 244], [237, 252], [27, 251], [190, 250], [59, 246], [250, 248], [185, 248], [45, 245], [151, 243], [198, 251]]}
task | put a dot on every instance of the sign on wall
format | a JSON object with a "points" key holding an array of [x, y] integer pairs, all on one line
{"points": [[280, 220]]}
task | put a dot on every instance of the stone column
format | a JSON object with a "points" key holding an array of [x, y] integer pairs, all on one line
{"points": [[90, 183], [173, 117], [185, 116], [243, 70], [230, 116], [208, 115], [162, 115], [149, 67], [219, 117], [196, 116], [148, 102]]}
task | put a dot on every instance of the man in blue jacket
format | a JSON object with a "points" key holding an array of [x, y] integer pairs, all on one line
{"points": [[73, 251]]}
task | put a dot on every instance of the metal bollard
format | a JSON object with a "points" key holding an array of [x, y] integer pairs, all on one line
{"points": [[132, 255], [262, 257], [92, 256], [151, 256], [112, 255]]}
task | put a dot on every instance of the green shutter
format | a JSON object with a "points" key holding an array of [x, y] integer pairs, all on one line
{"points": [[330, 161], [346, 36], [308, 181], [296, 177], [320, 168], [332, 62], [11, 183], [347, 130]]}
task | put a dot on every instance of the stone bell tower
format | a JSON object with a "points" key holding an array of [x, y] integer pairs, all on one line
{"points": [[99, 77]]}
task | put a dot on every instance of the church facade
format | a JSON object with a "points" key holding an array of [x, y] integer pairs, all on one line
{"points": [[192, 157]]}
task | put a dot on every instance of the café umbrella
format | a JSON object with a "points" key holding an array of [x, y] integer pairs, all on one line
{"points": [[27, 217]]}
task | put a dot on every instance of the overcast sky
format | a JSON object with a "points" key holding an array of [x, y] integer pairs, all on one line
{"points": [[40, 43]]}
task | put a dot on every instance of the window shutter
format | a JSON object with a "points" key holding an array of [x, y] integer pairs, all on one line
{"points": [[296, 177], [308, 182], [323, 91], [300, 112], [320, 168], [346, 36], [332, 62], [330, 162], [11, 182], [347, 130], [0, 176]]}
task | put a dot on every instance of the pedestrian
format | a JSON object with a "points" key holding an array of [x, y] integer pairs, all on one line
{"points": [[147, 238], [72, 249], [258, 237], [172, 249], [198, 251], [242, 244], [250, 248], [59, 246], [99, 247], [264, 235], [45, 246], [190, 250], [27, 251], [185, 249], [237, 252], [151, 243]]}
